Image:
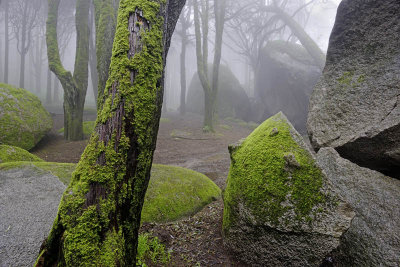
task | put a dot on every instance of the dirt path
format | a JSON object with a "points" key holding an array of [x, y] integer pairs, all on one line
{"points": [[181, 142]]}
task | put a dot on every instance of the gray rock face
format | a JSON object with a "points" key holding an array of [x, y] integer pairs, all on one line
{"points": [[279, 207], [287, 76], [374, 236], [355, 107], [28, 205]]}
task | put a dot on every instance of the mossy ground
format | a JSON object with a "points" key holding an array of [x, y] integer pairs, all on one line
{"points": [[258, 177], [12, 153], [88, 128], [23, 119]]}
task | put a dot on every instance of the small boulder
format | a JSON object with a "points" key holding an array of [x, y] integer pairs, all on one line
{"points": [[373, 238], [355, 107], [23, 119], [12, 153], [280, 210]]}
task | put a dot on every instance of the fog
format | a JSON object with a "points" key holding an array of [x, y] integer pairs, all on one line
{"points": [[243, 43]]}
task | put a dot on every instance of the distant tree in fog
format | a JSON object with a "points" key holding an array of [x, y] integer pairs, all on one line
{"points": [[75, 86], [23, 18], [209, 84]]}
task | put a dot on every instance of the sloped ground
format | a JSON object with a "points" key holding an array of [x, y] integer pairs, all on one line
{"points": [[196, 240]]}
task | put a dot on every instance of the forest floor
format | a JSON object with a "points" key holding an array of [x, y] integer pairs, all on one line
{"points": [[197, 240]]}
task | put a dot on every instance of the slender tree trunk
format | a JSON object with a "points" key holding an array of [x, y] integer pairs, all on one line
{"points": [[48, 90], [105, 21], [38, 66], [56, 90], [92, 58], [6, 40], [99, 215], [182, 107], [23, 50], [75, 87]]}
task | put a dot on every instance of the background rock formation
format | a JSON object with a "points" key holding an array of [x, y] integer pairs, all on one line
{"points": [[286, 78], [232, 99], [355, 106]]}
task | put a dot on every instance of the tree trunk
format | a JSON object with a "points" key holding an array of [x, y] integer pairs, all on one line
{"points": [[23, 50], [182, 107], [48, 89], [105, 22], [75, 86], [6, 40], [99, 214], [92, 58], [56, 90]]}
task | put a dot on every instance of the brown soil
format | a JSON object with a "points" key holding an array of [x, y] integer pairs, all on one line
{"points": [[196, 240]]}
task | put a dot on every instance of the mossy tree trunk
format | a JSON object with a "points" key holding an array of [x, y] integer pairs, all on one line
{"points": [[210, 86], [75, 86], [99, 215]]}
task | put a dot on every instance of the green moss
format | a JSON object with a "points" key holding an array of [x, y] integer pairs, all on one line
{"points": [[151, 249], [259, 177], [175, 192], [88, 128], [350, 79], [12, 153], [23, 119]]}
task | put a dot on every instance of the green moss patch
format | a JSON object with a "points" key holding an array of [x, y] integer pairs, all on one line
{"points": [[175, 192], [12, 153], [272, 175], [88, 128], [23, 119]]}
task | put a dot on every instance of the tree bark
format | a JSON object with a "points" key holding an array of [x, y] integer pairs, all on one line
{"points": [[75, 86], [48, 89], [99, 214], [92, 58]]}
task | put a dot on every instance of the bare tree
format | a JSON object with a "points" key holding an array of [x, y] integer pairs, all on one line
{"points": [[23, 18]]}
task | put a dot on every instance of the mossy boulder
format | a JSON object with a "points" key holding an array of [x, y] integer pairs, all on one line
{"points": [[232, 98], [280, 209], [12, 153], [173, 192], [23, 119]]}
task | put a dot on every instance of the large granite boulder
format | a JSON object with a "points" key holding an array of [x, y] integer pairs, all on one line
{"points": [[232, 98], [29, 200], [286, 77], [23, 119], [355, 106], [374, 235], [280, 210]]}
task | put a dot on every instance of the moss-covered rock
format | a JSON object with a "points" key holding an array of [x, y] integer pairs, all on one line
{"points": [[232, 99], [12, 153], [280, 209], [173, 192], [23, 119]]}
